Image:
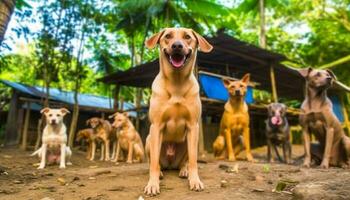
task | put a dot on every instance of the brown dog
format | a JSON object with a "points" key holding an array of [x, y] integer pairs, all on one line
{"points": [[129, 140], [317, 117], [175, 107], [234, 122], [89, 136], [102, 129]]}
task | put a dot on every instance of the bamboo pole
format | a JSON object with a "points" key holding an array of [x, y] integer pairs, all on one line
{"points": [[335, 63], [38, 139], [273, 84], [345, 114], [116, 97], [25, 129]]}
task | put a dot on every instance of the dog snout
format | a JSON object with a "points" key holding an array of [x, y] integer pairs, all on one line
{"points": [[53, 121], [177, 46], [237, 92]]}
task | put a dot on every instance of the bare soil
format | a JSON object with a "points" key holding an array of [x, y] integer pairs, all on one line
{"points": [[98, 180]]}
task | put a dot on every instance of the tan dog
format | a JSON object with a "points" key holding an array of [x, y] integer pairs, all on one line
{"points": [[319, 119], [234, 122], [54, 141], [129, 140], [102, 129], [89, 136], [175, 107]]}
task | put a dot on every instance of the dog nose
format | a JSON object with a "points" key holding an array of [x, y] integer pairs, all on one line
{"points": [[177, 45], [237, 92], [53, 121]]}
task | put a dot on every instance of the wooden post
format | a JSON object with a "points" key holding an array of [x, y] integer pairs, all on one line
{"points": [[116, 97], [138, 105], [103, 115], [121, 104], [273, 84], [201, 148], [39, 133], [345, 114], [25, 129], [12, 118]]}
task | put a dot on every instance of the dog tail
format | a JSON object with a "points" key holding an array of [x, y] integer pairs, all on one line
{"points": [[37, 152]]}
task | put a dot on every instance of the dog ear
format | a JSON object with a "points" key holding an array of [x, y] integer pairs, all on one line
{"points": [[111, 116], [154, 40], [64, 111], [203, 44], [226, 82], [126, 114], [44, 110], [88, 122], [331, 74], [305, 71], [246, 78]]}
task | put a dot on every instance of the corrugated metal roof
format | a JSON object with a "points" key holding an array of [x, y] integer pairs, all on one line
{"points": [[67, 97]]}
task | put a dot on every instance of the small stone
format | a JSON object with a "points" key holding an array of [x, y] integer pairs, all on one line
{"points": [[259, 178], [258, 190], [47, 198], [17, 182], [92, 178], [223, 183], [62, 181], [140, 198], [117, 188]]}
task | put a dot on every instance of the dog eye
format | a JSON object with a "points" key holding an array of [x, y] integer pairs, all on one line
{"points": [[58, 115], [187, 37], [167, 36], [241, 86], [50, 115]]}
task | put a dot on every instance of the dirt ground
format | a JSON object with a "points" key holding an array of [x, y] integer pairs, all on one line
{"points": [[97, 180]]}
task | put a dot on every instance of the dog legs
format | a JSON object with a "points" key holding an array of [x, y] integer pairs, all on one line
{"points": [[113, 150], [229, 145], [307, 159], [117, 153], [102, 157], [328, 148], [43, 156], [63, 156], [269, 151], [246, 138], [287, 152], [93, 150], [107, 158], [192, 147], [130, 152], [155, 143]]}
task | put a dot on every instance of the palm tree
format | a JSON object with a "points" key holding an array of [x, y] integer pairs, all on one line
{"points": [[6, 9]]}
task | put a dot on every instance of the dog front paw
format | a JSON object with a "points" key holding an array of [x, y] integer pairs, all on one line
{"points": [[231, 158], [307, 163], [183, 172], [62, 167], [152, 188], [325, 164], [129, 161], [41, 167], [250, 158], [196, 184]]}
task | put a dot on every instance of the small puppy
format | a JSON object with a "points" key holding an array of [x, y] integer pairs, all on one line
{"points": [[89, 136], [129, 140], [317, 117], [234, 122], [102, 129], [54, 139], [277, 132]]}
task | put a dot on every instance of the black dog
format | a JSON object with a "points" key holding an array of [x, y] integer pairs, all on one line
{"points": [[277, 132]]}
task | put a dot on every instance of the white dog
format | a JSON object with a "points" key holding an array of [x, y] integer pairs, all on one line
{"points": [[54, 139]]}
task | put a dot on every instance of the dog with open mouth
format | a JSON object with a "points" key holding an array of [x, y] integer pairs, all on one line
{"points": [[175, 107], [278, 132]]}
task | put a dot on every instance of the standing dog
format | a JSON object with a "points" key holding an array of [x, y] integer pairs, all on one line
{"points": [[102, 129], [277, 132], [175, 107], [318, 118], [54, 139], [89, 136], [129, 139], [234, 122]]}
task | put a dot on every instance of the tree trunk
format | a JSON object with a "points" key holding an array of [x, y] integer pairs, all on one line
{"points": [[6, 9], [262, 36]]}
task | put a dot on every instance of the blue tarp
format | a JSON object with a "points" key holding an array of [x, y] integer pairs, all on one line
{"points": [[68, 97], [337, 108], [214, 88]]}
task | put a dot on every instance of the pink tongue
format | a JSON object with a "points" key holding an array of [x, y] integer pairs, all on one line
{"points": [[276, 120], [177, 62]]}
